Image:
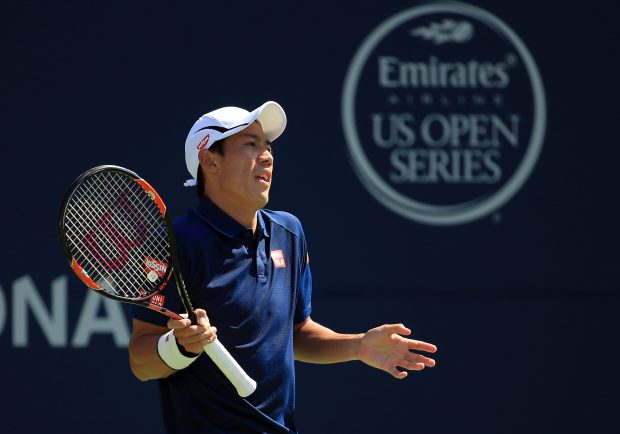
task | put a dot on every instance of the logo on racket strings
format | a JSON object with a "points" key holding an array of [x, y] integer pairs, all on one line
{"points": [[444, 113], [118, 231], [154, 268]]}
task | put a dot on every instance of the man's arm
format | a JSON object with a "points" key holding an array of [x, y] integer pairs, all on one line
{"points": [[315, 343], [382, 347], [144, 359]]}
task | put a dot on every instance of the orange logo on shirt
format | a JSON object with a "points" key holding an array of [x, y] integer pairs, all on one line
{"points": [[278, 259]]}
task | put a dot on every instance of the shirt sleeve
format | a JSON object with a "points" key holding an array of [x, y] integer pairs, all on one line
{"points": [[304, 296], [304, 292]]}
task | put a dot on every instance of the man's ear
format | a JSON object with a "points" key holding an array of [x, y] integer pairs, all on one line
{"points": [[207, 161]]}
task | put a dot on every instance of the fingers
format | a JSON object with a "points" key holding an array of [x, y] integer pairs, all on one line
{"points": [[415, 363], [193, 336], [413, 344], [421, 346], [425, 361], [174, 324], [202, 320], [202, 336], [201, 317], [398, 374], [397, 328]]}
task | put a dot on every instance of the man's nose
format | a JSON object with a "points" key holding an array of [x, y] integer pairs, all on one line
{"points": [[266, 157]]}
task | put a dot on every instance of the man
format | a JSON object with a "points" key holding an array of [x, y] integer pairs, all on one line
{"points": [[246, 268]]}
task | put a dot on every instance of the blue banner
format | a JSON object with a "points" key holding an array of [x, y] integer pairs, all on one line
{"points": [[453, 166]]}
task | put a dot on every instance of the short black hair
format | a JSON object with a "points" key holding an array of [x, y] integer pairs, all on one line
{"points": [[218, 148]]}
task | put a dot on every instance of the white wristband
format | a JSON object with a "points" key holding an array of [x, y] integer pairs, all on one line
{"points": [[170, 354]]}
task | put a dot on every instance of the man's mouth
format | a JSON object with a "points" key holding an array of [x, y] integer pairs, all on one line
{"points": [[264, 177]]}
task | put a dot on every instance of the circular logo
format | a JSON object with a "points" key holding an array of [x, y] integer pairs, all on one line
{"points": [[152, 276], [444, 113]]}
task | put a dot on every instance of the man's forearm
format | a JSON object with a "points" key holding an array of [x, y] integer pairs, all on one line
{"points": [[144, 361], [315, 343]]}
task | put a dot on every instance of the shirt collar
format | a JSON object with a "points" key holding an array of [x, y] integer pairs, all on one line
{"points": [[224, 223], [260, 225]]}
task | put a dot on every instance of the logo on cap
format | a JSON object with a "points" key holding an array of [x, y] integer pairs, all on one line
{"points": [[444, 113], [203, 143]]}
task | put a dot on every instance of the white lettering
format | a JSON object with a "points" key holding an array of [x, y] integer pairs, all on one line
{"points": [[89, 323], [476, 130], [400, 130], [27, 303], [459, 125], [386, 71], [53, 324], [444, 130], [401, 175], [489, 162], [471, 165], [438, 163], [155, 265], [511, 135], [424, 166], [433, 73]]}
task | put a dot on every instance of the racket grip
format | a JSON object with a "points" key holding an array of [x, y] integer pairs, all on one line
{"points": [[231, 369]]}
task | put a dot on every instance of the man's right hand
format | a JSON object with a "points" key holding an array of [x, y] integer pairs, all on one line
{"points": [[193, 337]]}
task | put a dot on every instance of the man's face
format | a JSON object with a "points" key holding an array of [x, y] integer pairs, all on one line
{"points": [[245, 168]]}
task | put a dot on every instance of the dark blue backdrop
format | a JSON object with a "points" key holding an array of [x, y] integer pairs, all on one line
{"points": [[521, 303]]}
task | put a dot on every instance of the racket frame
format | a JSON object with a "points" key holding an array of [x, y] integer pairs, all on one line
{"points": [[242, 382], [170, 270]]}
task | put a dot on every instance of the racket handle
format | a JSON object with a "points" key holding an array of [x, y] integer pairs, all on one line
{"points": [[231, 369]]}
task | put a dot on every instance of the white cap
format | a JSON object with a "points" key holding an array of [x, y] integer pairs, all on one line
{"points": [[226, 121]]}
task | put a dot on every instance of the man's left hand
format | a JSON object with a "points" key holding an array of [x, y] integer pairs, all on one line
{"points": [[385, 348]]}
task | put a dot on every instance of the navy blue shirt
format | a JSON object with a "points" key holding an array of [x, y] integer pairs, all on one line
{"points": [[254, 287]]}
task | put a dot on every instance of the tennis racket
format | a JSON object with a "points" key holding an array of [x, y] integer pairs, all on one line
{"points": [[117, 235]]}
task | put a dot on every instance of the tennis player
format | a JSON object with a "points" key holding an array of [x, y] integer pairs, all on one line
{"points": [[247, 268]]}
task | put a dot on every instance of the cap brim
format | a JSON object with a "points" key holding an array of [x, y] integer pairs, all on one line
{"points": [[272, 118]]}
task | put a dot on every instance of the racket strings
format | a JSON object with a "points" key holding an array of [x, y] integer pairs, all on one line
{"points": [[116, 232], [89, 205], [96, 262], [121, 241]]}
